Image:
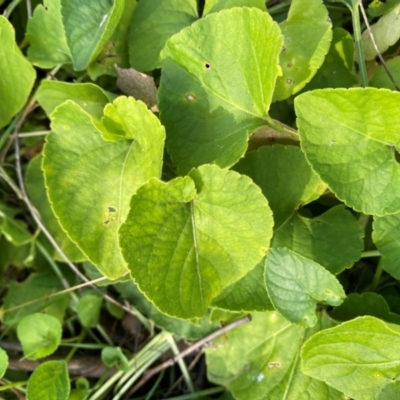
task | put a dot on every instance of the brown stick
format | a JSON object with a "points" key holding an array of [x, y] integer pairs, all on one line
{"points": [[170, 362]]}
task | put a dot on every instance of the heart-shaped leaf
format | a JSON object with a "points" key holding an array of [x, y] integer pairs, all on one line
{"points": [[386, 236], [333, 239], [284, 177], [39, 334], [45, 33], [307, 35], [17, 74], [91, 175], [296, 285], [349, 138], [261, 360], [209, 119], [88, 26], [358, 357], [49, 381], [247, 294], [186, 240], [148, 35]]}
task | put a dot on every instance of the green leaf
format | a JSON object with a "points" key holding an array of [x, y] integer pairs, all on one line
{"points": [[247, 294], [296, 285], [190, 330], [379, 7], [386, 231], [333, 239], [14, 230], [348, 137], [49, 381], [358, 357], [209, 119], [390, 391], [154, 22], [34, 182], [386, 33], [88, 96], [307, 35], [285, 178], [381, 78], [116, 51], [3, 362], [91, 175], [114, 356], [17, 74], [45, 33], [338, 67], [260, 360], [89, 307], [89, 26], [218, 5], [39, 334], [186, 240], [368, 303], [37, 286]]}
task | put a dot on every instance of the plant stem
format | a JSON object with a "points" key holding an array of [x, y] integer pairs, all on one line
{"points": [[377, 276], [358, 45], [182, 365], [9, 130], [370, 253]]}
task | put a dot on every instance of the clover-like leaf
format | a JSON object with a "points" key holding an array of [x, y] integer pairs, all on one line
{"points": [[358, 357], [186, 240], [284, 177], [45, 33], [349, 138], [17, 74], [307, 35], [91, 175], [49, 381], [88, 27], [296, 285], [333, 239], [209, 119], [386, 231], [261, 360], [39, 334]]}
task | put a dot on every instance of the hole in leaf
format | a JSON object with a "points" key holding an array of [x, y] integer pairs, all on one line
{"points": [[106, 222], [190, 97], [289, 81], [111, 209], [283, 49], [207, 66]]}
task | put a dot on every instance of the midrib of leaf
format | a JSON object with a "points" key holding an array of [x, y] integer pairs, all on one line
{"points": [[295, 362], [120, 185], [196, 250], [265, 340], [354, 130]]}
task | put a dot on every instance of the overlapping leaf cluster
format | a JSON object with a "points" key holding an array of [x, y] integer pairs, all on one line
{"points": [[214, 206]]}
